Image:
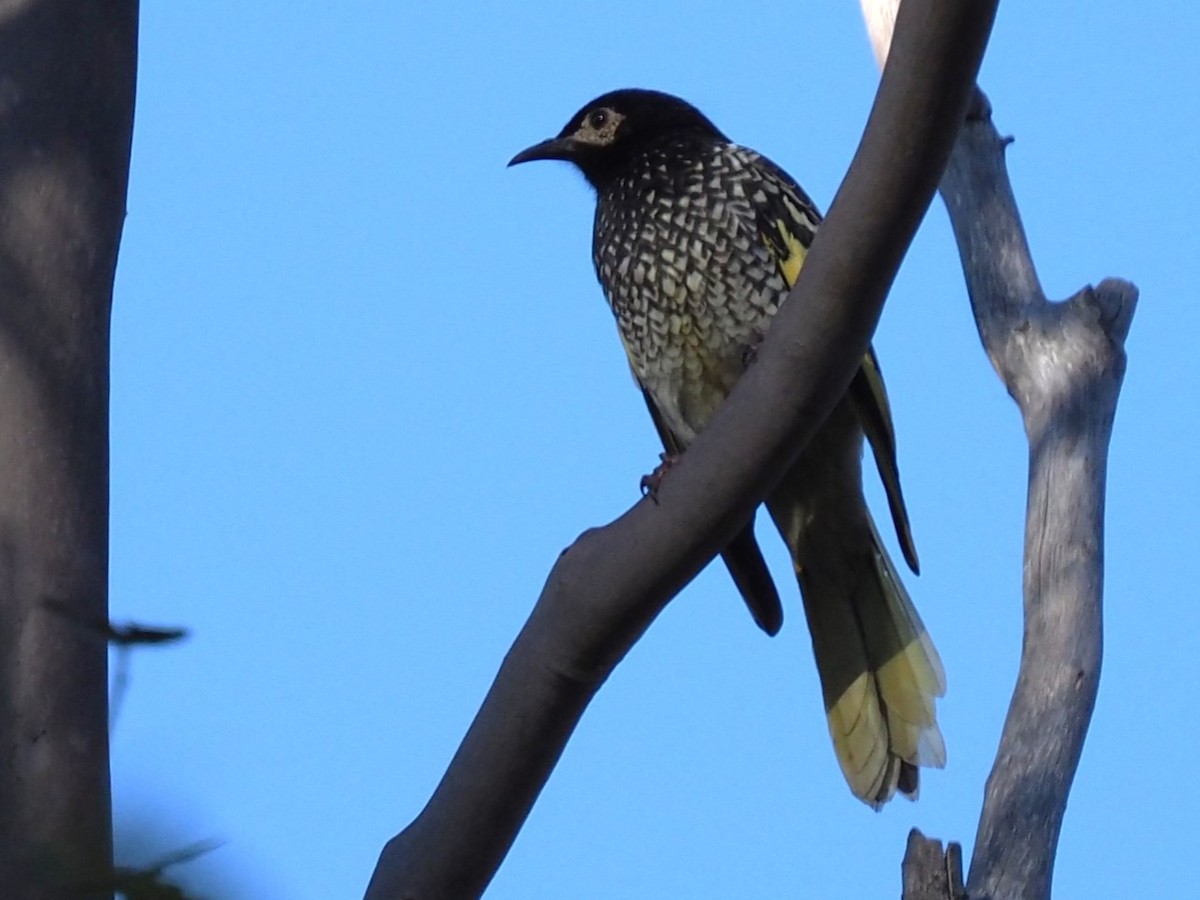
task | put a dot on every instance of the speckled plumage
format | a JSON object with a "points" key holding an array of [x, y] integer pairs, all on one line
{"points": [[679, 250], [696, 243]]}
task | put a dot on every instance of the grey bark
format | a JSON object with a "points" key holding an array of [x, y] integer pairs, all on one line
{"points": [[1062, 362], [67, 73], [611, 583], [931, 873]]}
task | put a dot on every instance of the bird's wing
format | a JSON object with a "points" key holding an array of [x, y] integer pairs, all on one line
{"points": [[869, 399], [786, 218], [787, 222], [742, 555]]}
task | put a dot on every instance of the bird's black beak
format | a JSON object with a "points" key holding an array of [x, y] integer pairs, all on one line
{"points": [[555, 148]]}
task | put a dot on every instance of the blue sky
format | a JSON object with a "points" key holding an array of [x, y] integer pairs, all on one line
{"points": [[365, 389]]}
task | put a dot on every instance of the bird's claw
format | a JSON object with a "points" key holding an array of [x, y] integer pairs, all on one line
{"points": [[650, 484]]}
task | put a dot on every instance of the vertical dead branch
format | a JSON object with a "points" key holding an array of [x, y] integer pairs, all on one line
{"points": [[1062, 362], [607, 588], [67, 72]]}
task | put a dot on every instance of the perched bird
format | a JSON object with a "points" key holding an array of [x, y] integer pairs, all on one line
{"points": [[696, 243]]}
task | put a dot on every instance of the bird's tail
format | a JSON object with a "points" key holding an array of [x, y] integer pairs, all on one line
{"points": [[880, 673]]}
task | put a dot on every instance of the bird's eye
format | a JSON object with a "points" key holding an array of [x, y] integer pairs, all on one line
{"points": [[598, 119]]}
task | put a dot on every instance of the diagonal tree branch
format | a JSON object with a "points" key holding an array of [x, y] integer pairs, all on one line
{"points": [[1062, 362], [611, 583]]}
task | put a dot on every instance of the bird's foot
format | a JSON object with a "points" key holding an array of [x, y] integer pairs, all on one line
{"points": [[651, 483]]}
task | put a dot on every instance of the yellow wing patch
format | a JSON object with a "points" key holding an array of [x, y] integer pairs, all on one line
{"points": [[790, 264], [788, 248]]}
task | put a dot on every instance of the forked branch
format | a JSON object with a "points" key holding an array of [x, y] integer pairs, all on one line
{"points": [[1062, 362]]}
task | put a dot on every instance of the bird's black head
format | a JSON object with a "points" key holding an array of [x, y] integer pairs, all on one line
{"points": [[611, 130]]}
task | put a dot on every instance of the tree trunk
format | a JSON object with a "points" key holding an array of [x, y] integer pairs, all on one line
{"points": [[67, 75]]}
